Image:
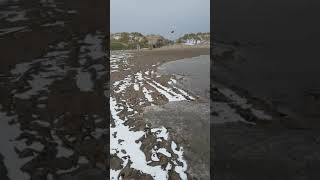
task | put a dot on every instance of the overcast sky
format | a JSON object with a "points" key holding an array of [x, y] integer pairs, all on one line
{"points": [[160, 16]]}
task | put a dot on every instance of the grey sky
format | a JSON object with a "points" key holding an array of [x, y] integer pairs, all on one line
{"points": [[160, 16]]}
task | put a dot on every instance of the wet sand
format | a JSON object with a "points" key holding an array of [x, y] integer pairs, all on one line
{"points": [[137, 89], [189, 121]]}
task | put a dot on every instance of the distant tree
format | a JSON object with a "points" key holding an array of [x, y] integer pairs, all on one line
{"points": [[137, 34], [124, 37], [179, 41], [144, 42]]}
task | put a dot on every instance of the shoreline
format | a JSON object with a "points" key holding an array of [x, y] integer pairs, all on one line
{"points": [[173, 47], [137, 85]]}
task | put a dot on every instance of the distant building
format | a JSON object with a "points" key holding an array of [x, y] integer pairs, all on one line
{"points": [[155, 41], [116, 37], [192, 42]]}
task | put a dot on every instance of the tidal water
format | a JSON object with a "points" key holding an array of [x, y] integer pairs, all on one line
{"points": [[192, 74]]}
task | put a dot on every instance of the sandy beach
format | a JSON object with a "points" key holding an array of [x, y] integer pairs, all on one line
{"points": [[160, 114]]}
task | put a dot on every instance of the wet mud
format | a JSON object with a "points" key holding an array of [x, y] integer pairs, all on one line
{"points": [[153, 151]]}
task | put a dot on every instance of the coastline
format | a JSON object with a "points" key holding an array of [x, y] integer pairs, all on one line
{"points": [[136, 82]]}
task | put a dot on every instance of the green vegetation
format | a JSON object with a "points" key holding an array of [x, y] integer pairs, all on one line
{"points": [[126, 41], [118, 46]]}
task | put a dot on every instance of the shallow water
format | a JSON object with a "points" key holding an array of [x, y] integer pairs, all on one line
{"points": [[195, 74]]}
